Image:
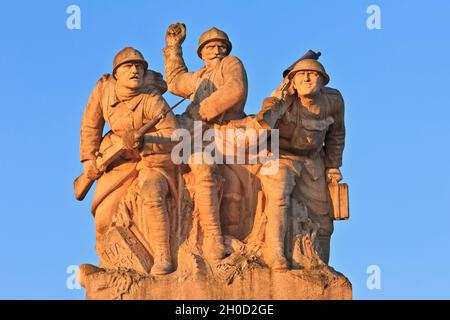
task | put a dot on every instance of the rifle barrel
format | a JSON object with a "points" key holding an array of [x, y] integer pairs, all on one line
{"points": [[152, 123]]}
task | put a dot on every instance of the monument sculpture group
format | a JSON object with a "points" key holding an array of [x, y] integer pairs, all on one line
{"points": [[212, 203]]}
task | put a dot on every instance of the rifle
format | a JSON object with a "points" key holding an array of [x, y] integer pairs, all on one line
{"points": [[83, 184]]}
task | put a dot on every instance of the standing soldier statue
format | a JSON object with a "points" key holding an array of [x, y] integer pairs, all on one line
{"points": [[126, 102], [312, 133], [218, 92]]}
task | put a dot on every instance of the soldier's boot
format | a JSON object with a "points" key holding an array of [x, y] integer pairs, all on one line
{"points": [[158, 226], [275, 234], [274, 256], [274, 250], [207, 201], [213, 244], [162, 263]]}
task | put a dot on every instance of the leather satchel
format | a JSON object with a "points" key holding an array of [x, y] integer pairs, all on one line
{"points": [[339, 198]]}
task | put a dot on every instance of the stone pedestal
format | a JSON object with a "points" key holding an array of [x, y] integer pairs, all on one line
{"points": [[213, 282]]}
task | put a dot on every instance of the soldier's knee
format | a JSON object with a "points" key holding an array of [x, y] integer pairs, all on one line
{"points": [[102, 221], [153, 188], [278, 186], [104, 212]]}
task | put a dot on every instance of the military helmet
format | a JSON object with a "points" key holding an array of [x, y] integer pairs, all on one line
{"points": [[310, 65], [213, 34], [126, 55], [308, 55]]}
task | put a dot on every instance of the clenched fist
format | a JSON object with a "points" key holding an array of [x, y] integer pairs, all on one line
{"points": [[175, 35]]}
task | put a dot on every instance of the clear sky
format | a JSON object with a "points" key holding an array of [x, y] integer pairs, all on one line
{"points": [[394, 81]]}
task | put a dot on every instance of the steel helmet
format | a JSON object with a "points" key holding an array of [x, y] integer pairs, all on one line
{"points": [[126, 55], [213, 34], [310, 65]]}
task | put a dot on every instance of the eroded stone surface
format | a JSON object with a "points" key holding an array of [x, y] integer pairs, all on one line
{"points": [[250, 280]]}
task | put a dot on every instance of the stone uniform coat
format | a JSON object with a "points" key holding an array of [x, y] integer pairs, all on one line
{"points": [[313, 142], [219, 90], [104, 107]]}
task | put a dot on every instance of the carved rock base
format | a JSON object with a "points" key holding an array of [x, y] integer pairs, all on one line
{"points": [[251, 282]]}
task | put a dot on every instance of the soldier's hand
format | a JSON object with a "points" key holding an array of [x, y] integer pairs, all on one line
{"points": [[175, 35], [193, 110], [334, 175], [131, 140], [91, 170], [271, 103]]}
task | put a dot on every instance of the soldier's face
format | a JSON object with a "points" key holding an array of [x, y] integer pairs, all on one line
{"points": [[307, 83], [130, 75], [214, 52]]}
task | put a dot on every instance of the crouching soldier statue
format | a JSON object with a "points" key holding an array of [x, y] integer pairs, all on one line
{"points": [[127, 100], [312, 133]]}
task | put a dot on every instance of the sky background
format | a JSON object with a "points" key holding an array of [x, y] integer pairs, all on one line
{"points": [[394, 82]]}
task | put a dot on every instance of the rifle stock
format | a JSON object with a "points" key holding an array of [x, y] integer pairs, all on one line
{"points": [[82, 185]]}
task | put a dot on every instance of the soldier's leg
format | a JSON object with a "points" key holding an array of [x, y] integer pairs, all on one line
{"points": [[230, 206], [277, 189], [154, 219], [314, 193], [107, 208], [207, 202], [324, 235]]}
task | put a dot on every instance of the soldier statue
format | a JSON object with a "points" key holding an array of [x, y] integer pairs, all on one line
{"points": [[312, 133], [126, 100], [218, 92]]}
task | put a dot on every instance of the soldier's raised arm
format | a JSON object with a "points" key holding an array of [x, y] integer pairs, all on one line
{"points": [[179, 80]]}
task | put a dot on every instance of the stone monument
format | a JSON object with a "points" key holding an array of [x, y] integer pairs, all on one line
{"points": [[176, 225]]}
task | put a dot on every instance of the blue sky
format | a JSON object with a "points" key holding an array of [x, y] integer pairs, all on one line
{"points": [[394, 82]]}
